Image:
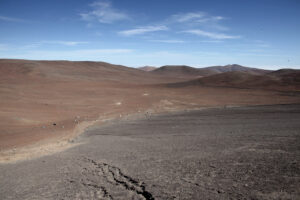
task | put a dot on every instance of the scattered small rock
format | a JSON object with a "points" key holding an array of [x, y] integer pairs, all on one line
{"points": [[54, 124], [220, 191]]}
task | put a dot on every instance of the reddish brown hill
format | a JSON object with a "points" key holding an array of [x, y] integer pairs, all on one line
{"points": [[183, 71], [285, 72], [68, 70], [239, 68], [289, 76], [42, 100], [238, 79], [36, 94]]}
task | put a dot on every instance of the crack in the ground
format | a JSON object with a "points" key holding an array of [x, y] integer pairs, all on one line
{"points": [[115, 176], [102, 190]]}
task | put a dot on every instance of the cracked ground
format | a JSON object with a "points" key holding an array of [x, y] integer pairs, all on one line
{"points": [[229, 153]]}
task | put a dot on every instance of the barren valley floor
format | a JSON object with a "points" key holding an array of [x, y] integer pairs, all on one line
{"points": [[223, 153]]}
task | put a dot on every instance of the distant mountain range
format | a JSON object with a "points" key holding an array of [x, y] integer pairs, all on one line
{"points": [[184, 71], [283, 79], [147, 68], [235, 76], [235, 67], [173, 75]]}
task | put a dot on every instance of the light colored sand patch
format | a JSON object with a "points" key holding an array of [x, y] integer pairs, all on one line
{"points": [[166, 102], [55, 145], [145, 94], [49, 147], [26, 120], [34, 151], [118, 103]]}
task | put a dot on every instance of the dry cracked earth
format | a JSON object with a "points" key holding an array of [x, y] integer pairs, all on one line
{"points": [[220, 153]]}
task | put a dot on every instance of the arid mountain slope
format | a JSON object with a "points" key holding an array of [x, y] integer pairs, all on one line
{"points": [[147, 68], [42, 101], [238, 68], [182, 71], [67, 70], [238, 79], [191, 72], [34, 95]]}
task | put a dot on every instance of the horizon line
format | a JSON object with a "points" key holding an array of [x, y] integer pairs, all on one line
{"points": [[156, 66]]}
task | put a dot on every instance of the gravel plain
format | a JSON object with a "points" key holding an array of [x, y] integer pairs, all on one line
{"points": [[219, 153]]}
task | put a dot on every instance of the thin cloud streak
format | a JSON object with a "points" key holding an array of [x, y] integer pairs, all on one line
{"points": [[82, 54], [196, 17], [11, 19], [53, 42], [143, 30], [67, 43], [189, 16], [212, 35], [211, 41], [103, 12], [169, 41]]}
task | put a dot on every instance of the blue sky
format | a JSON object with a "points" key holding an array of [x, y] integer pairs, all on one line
{"points": [[257, 33]]}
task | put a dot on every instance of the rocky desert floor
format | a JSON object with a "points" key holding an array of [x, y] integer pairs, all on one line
{"points": [[44, 104], [93, 130], [249, 152]]}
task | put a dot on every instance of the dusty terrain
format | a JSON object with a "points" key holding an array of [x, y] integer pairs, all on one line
{"points": [[93, 130], [219, 153], [46, 103]]}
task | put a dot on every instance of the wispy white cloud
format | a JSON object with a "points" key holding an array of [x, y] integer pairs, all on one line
{"points": [[211, 41], [189, 16], [11, 19], [168, 41], [30, 46], [199, 19], [82, 54], [212, 35], [66, 43], [53, 42], [196, 17], [103, 12], [143, 30]]}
